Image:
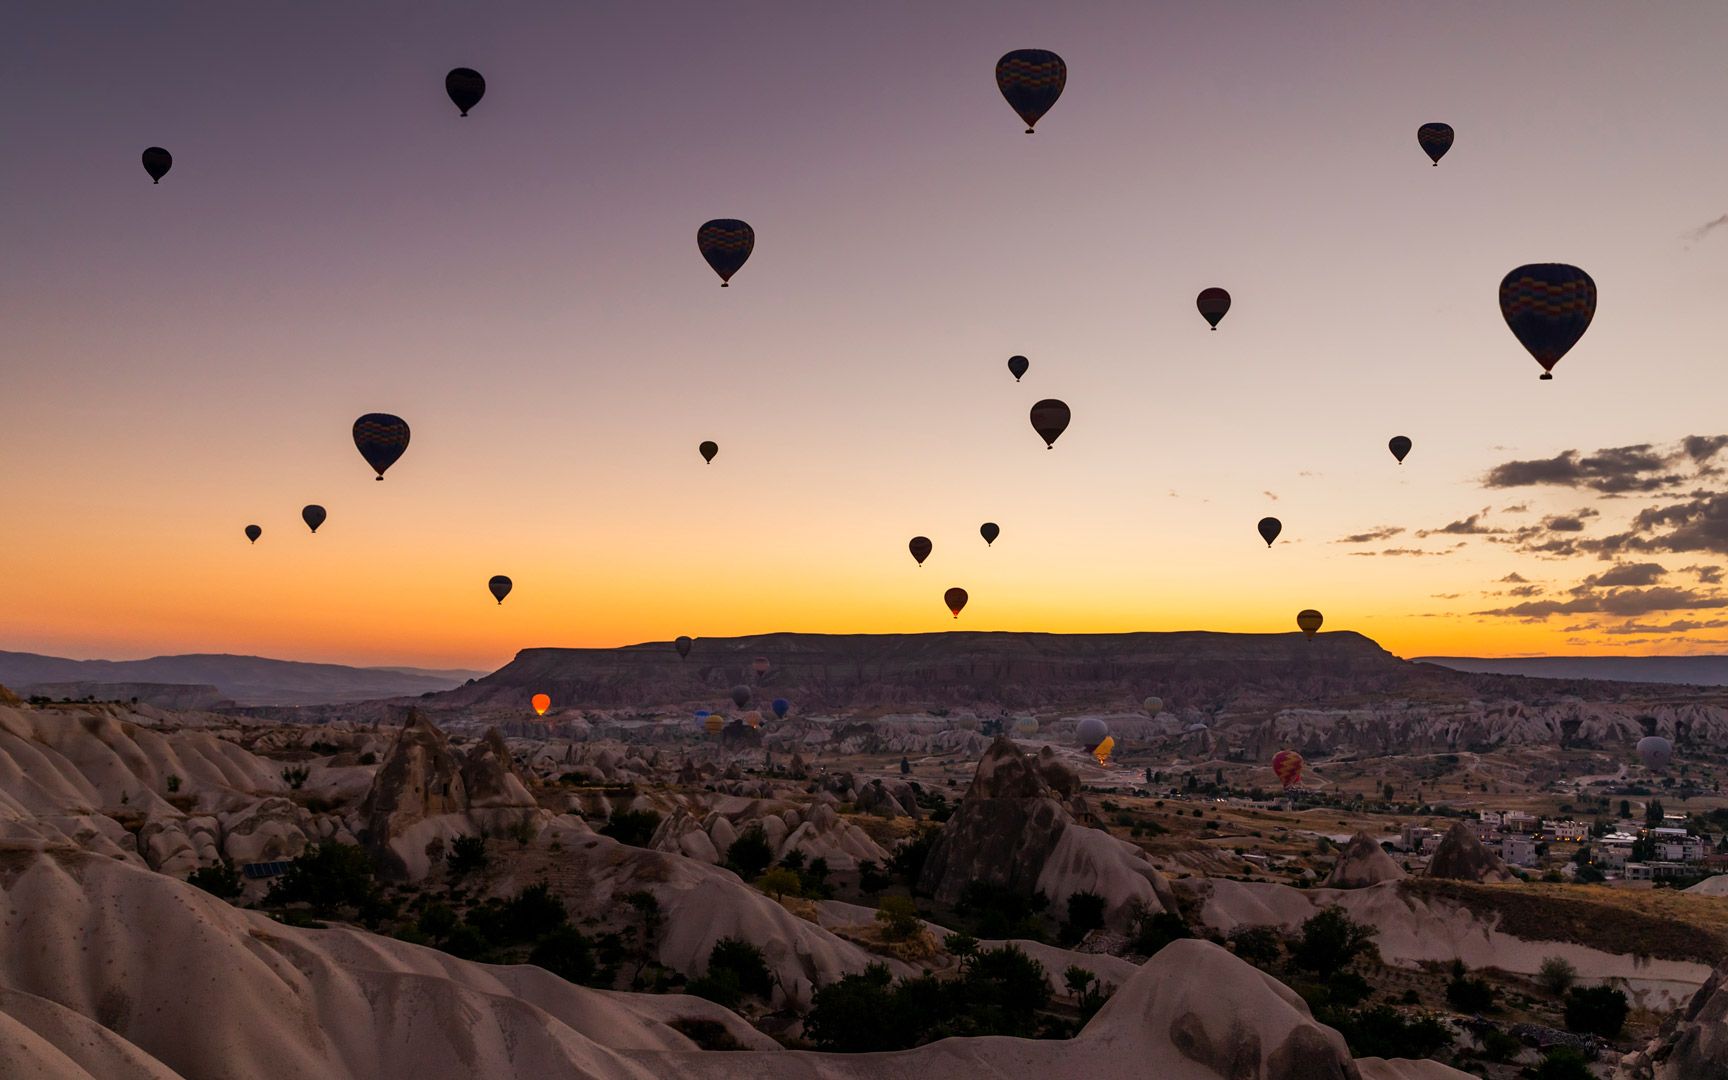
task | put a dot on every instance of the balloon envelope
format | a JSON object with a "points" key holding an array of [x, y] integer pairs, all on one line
{"points": [[1548, 307], [313, 516], [759, 665], [1400, 446], [920, 547], [682, 645], [541, 703], [726, 243], [708, 450], [1269, 528], [1308, 621], [1031, 80], [157, 162], [1435, 139], [753, 719], [1050, 419], [380, 438], [1102, 750], [1214, 304], [781, 707], [989, 531], [956, 600], [713, 723], [1153, 705], [1025, 725], [1091, 731], [740, 696], [253, 532], [500, 587], [466, 87], [1017, 366], [1287, 764], [1655, 751]]}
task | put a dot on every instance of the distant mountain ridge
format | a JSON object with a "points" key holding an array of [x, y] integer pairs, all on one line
{"points": [[245, 680], [1674, 670]]}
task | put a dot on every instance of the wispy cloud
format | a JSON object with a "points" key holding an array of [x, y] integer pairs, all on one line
{"points": [[1372, 536]]}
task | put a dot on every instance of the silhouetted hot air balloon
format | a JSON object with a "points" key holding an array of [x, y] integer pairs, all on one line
{"points": [[708, 450], [313, 515], [1153, 705], [989, 531], [1308, 621], [740, 696], [725, 243], [713, 723], [1655, 752], [683, 646], [1400, 446], [466, 87], [499, 587], [1214, 304], [1050, 419], [1102, 750], [380, 438], [157, 162], [1269, 528], [781, 707], [253, 532], [955, 599], [1090, 732], [920, 547], [1017, 366], [1548, 306], [759, 666], [1031, 80], [541, 703], [1025, 725], [1287, 765], [1435, 139]]}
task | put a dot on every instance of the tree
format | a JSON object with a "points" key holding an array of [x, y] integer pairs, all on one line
{"points": [[1556, 975], [1155, 929], [1563, 1063], [566, 953], [961, 945], [1653, 813], [173, 783], [437, 921], [1085, 914], [1596, 1010], [530, 914], [1625, 808], [857, 1014], [295, 775], [910, 855], [1331, 941], [217, 879], [636, 828], [328, 876], [1469, 995], [744, 962], [780, 883], [467, 856], [1262, 946], [898, 916], [871, 879], [750, 853]]}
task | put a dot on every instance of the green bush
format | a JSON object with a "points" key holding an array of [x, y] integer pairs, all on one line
{"points": [[1470, 995], [1262, 946], [898, 916], [636, 828], [328, 876], [744, 963], [750, 853], [1556, 975], [467, 856], [1085, 914], [1596, 1010], [1383, 1031], [1331, 941], [1563, 1063], [566, 953], [217, 879], [1154, 930]]}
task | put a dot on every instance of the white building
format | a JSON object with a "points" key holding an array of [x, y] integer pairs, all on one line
{"points": [[1575, 832], [1519, 850], [1519, 822]]}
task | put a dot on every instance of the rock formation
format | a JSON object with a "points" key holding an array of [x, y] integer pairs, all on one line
{"points": [[1693, 1043], [1462, 857], [490, 777], [1362, 863]]}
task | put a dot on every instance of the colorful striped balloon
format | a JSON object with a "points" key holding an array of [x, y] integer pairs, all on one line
{"points": [[1548, 306], [726, 243], [1031, 80]]}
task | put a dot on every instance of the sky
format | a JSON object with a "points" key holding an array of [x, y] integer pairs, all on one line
{"points": [[523, 287]]}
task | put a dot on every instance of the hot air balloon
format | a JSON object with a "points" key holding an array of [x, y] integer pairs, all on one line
{"points": [[1102, 750], [740, 696], [752, 719], [920, 547], [499, 586], [781, 707], [1548, 306], [759, 666], [683, 646], [713, 723], [1213, 303], [1153, 705], [1400, 446], [1025, 725], [1050, 419], [380, 438], [253, 532], [989, 531], [465, 87], [1017, 366], [313, 515], [725, 243], [1655, 752], [1287, 764], [1435, 140], [157, 162], [1090, 732], [1031, 80], [955, 599], [541, 703], [1308, 621], [708, 450], [1269, 528]]}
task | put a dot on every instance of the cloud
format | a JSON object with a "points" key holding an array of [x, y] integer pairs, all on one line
{"points": [[1705, 229], [1514, 578], [1573, 522], [1625, 602], [1516, 508], [1640, 574], [1470, 526], [1616, 470], [1384, 532], [1707, 575], [1524, 590], [1270, 495], [1700, 523], [1679, 626], [1447, 595], [1406, 551]]}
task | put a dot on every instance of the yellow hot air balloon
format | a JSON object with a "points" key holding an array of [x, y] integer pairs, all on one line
{"points": [[713, 722], [541, 703], [1308, 621], [1102, 750]]}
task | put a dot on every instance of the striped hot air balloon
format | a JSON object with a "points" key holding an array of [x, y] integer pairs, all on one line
{"points": [[1308, 621], [725, 243], [381, 439], [1287, 765], [1548, 306], [1031, 80], [1435, 139], [1214, 304]]}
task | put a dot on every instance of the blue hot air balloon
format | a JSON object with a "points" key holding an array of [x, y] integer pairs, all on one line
{"points": [[781, 707]]}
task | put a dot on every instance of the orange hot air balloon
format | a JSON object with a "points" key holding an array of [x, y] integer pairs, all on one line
{"points": [[753, 719], [1287, 764], [1102, 750], [541, 703], [1308, 621], [713, 722], [955, 599]]}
